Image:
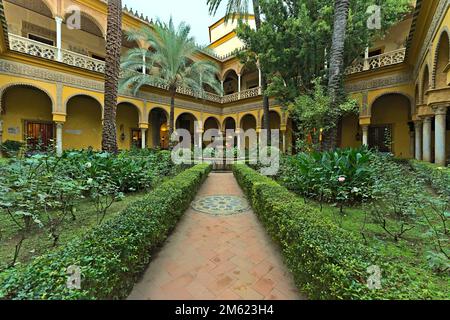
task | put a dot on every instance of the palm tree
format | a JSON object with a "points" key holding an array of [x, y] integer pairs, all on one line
{"points": [[112, 71], [336, 71], [239, 9], [169, 63]]}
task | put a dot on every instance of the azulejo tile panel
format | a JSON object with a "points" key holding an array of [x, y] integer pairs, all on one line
{"points": [[221, 205]]}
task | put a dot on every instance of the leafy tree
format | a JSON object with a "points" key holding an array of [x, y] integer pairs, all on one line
{"points": [[293, 43], [238, 9], [112, 71], [170, 63]]}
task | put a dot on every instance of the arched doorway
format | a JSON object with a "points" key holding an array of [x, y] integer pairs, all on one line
{"points": [[158, 129], [249, 122], [213, 126], [127, 122], [83, 127], [389, 130], [26, 112], [442, 56], [187, 121], [230, 82]]}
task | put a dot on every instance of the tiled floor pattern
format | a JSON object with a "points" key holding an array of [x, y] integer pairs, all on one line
{"points": [[211, 257]]}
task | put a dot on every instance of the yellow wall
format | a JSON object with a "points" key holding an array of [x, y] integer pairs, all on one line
{"points": [[83, 127], [394, 110], [127, 119], [349, 131], [21, 104]]}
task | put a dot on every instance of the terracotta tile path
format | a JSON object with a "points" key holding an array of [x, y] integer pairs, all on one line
{"points": [[217, 257]]}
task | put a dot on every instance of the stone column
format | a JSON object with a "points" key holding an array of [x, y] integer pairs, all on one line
{"points": [[427, 139], [239, 85], [365, 137], [59, 142], [283, 137], [366, 59], [221, 84], [144, 69], [411, 143], [59, 21], [238, 134], [1, 135], [260, 80], [440, 131], [143, 138], [418, 138]]}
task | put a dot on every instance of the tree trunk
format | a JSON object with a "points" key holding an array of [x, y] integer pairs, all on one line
{"points": [[336, 71], [112, 72], [266, 107]]}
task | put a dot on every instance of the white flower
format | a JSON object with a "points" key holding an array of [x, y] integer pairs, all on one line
{"points": [[342, 179], [90, 181], [88, 165], [356, 190]]}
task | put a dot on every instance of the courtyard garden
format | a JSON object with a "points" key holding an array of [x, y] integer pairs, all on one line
{"points": [[343, 217]]}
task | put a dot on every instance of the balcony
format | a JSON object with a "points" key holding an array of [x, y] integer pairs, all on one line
{"points": [[42, 50], [376, 62]]}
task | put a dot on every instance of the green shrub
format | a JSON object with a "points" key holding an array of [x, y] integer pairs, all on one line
{"points": [[437, 177], [327, 262], [343, 176], [112, 255], [11, 148]]}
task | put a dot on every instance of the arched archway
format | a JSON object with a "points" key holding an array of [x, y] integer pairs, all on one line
{"points": [[186, 121], [90, 37], [42, 7], [213, 126], [442, 57], [230, 82], [158, 129], [389, 130], [26, 122], [249, 122], [83, 127], [425, 84], [128, 133], [249, 77]]}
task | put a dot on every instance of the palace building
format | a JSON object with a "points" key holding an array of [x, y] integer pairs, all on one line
{"points": [[51, 84]]}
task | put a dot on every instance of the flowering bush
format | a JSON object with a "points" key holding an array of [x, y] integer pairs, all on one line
{"points": [[343, 176]]}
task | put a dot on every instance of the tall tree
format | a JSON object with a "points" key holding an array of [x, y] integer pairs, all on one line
{"points": [[169, 62], [112, 72], [239, 9], [336, 66]]}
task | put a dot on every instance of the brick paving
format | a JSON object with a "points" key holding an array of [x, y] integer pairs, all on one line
{"points": [[217, 257]]}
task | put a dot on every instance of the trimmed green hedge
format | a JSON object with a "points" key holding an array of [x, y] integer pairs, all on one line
{"points": [[437, 177], [112, 255], [327, 261]]}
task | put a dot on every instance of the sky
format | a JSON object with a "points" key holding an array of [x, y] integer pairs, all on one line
{"points": [[193, 12]]}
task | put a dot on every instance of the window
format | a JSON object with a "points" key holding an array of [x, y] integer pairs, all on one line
{"points": [[41, 39], [136, 138], [380, 138], [39, 134]]}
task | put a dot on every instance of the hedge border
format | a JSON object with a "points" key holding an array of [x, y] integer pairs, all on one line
{"points": [[327, 262], [113, 255]]}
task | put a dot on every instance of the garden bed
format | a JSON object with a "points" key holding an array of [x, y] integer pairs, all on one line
{"points": [[330, 259], [111, 256]]}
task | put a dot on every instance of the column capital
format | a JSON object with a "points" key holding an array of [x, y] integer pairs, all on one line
{"points": [[143, 125], [59, 19], [427, 119], [440, 110]]}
